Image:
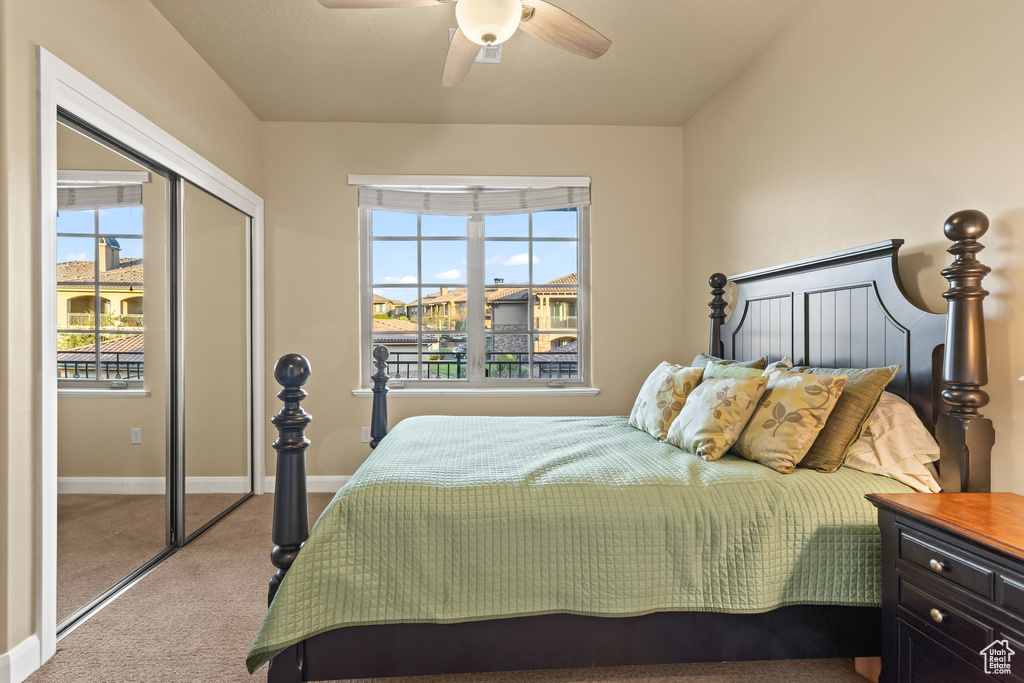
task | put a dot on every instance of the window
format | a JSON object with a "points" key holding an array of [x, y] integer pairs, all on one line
{"points": [[476, 285], [100, 330]]}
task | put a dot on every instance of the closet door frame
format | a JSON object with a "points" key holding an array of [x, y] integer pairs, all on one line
{"points": [[62, 86]]}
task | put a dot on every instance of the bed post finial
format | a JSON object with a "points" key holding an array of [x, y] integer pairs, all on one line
{"points": [[379, 418], [291, 512], [718, 281], [965, 436]]}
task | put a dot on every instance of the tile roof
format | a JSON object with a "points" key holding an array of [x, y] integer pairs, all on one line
{"points": [[378, 299], [518, 293], [400, 331], [81, 274], [568, 353], [127, 348], [551, 287]]}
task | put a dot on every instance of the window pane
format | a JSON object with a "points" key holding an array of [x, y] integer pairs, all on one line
{"points": [[554, 260], [76, 277], [444, 262], [508, 356], [554, 308], [121, 283], [443, 308], [514, 225], [444, 226], [76, 356], [556, 356], [76, 221], [121, 356], [393, 224], [507, 309], [507, 262], [394, 263], [555, 223], [389, 303], [443, 362], [123, 221]]}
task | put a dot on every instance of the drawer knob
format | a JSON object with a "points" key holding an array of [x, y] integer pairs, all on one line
{"points": [[937, 615], [936, 566]]}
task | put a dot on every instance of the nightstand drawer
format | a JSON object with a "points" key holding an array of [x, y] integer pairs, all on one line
{"points": [[946, 562], [1011, 595], [922, 660], [942, 621]]}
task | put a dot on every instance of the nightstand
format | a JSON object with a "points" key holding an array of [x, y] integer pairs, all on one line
{"points": [[952, 586]]}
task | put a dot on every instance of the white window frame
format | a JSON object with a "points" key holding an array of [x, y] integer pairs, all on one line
{"points": [[99, 384], [477, 383]]}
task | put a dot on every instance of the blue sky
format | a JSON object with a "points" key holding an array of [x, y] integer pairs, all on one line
{"points": [[444, 262], [125, 221]]}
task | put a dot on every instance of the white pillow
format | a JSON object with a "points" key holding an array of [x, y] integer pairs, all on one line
{"points": [[896, 444]]}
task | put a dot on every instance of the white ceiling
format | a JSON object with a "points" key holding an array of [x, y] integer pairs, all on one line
{"points": [[294, 60]]}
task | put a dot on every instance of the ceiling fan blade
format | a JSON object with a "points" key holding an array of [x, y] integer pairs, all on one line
{"points": [[461, 54], [378, 4], [561, 29]]}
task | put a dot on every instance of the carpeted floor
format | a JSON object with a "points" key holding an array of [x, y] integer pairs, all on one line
{"points": [[103, 538], [194, 618]]}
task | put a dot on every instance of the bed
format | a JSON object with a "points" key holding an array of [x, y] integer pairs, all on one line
{"points": [[345, 608]]}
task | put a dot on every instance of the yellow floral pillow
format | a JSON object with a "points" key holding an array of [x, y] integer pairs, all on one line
{"points": [[714, 415], [662, 397], [788, 418]]}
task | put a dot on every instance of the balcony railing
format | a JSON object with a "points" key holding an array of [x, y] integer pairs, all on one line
{"points": [[109, 369], [106, 320], [555, 322], [404, 365]]}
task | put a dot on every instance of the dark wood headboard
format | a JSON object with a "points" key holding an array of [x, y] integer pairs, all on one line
{"points": [[849, 309]]}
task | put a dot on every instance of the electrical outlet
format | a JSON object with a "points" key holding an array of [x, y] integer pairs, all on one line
{"points": [[364, 435], [136, 435]]}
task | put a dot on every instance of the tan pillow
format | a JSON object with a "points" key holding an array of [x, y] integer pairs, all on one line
{"points": [[726, 369], [897, 445], [714, 415], [850, 415], [702, 359], [662, 397], [788, 417]]}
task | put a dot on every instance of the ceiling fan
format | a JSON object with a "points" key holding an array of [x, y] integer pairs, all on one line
{"points": [[489, 22]]}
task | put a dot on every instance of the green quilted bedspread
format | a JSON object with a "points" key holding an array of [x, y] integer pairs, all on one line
{"points": [[463, 518]]}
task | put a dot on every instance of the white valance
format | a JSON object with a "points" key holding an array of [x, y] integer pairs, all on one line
{"points": [[465, 201], [98, 197]]}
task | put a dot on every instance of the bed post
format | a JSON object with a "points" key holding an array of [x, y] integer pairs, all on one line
{"points": [[379, 419], [291, 513], [718, 281], [965, 436]]}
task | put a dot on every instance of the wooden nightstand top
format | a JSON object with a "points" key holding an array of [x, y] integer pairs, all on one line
{"points": [[995, 520]]}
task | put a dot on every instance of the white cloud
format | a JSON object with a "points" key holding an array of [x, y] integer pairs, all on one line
{"points": [[407, 280], [453, 274], [520, 260], [81, 256]]}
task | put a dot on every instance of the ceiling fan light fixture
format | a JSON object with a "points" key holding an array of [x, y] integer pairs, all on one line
{"points": [[488, 22]]}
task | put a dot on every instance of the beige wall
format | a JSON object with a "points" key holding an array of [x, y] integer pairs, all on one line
{"points": [[313, 265], [93, 438], [128, 48], [869, 120]]}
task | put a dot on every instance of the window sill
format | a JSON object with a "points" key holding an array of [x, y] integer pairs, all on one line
{"points": [[102, 393], [477, 392]]}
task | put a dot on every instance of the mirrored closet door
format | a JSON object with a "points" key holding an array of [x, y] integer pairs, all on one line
{"points": [[154, 359], [112, 460], [215, 355]]}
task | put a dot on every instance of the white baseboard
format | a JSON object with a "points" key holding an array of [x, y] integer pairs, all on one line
{"points": [[157, 485], [21, 662], [150, 485], [318, 484]]}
